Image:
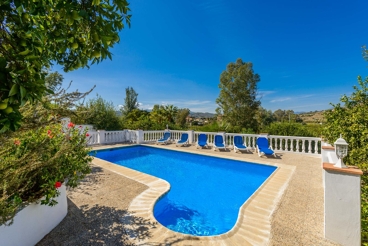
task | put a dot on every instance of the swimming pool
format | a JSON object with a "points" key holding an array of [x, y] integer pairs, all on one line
{"points": [[206, 192]]}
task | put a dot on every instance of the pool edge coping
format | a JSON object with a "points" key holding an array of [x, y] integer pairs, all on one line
{"points": [[253, 225]]}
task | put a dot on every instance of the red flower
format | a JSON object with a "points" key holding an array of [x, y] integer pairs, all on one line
{"points": [[80, 126], [49, 134], [70, 125], [17, 142], [57, 184], [87, 135]]}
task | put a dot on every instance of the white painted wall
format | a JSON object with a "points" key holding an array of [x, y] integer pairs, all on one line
{"points": [[34, 222], [83, 127], [140, 136], [342, 207], [190, 136]]}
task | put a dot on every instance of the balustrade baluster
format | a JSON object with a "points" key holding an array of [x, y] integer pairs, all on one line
{"points": [[298, 144], [292, 145], [273, 143]]}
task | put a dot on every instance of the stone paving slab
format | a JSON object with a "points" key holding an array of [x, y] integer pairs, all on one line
{"points": [[99, 216]]}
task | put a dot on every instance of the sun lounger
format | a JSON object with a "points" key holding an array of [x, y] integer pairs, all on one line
{"points": [[202, 141], [165, 138], [263, 147], [239, 144], [183, 140], [219, 143]]}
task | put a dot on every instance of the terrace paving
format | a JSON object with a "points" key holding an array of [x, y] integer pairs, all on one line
{"points": [[112, 207]]}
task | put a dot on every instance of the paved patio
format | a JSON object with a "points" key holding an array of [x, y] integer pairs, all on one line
{"points": [[100, 213]]}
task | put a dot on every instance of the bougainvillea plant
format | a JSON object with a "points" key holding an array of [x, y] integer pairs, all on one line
{"points": [[36, 162]]}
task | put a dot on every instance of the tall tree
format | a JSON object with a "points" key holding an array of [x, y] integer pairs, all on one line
{"points": [[181, 116], [264, 117], [157, 115], [164, 114], [170, 112], [238, 90], [36, 34], [99, 113], [284, 115], [130, 102]]}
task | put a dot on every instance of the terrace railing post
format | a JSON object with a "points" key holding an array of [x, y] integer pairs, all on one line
{"points": [[342, 201], [191, 136], [140, 136], [101, 136]]}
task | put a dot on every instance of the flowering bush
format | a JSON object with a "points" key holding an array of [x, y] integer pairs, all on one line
{"points": [[34, 164]]}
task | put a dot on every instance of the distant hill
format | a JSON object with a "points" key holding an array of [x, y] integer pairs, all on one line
{"points": [[202, 115], [313, 116]]}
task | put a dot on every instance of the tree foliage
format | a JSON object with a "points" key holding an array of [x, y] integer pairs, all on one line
{"points": [[170, 112], [164, 114], [99, 113], [294, 129], [59, 104], [264, 117], [181, 116], [36, 34], [130, 101], [349, 118], [238, 90]]}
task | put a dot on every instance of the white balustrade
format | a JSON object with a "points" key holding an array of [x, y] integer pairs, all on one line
{"points": [[176, 134], [115, 137], [303, 145], [92, 139], [111, 137], [210, 137], [152, 136], [131, 136], [248, 139]]}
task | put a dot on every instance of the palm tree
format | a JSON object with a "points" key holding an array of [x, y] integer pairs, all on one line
{"points": [[170, 112]]}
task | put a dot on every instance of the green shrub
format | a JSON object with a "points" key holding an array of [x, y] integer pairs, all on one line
{"points": [[35, 162], [99, 113], [294, 129]]}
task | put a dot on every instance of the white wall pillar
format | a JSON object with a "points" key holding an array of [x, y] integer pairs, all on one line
{"points": [[328, 153], [190, 136], [342, 204], [101, 136], [140, 136]]}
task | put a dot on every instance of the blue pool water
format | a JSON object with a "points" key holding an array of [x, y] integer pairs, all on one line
{"points": [[206, 192]]}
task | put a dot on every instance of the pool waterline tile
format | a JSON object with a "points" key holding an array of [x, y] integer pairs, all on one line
{"points": [[256, 230]]}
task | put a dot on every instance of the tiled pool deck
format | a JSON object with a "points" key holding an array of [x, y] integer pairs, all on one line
{"points": [[113, 207]]}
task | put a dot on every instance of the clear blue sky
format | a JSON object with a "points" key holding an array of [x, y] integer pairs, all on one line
{"points": [[307, 53]]}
